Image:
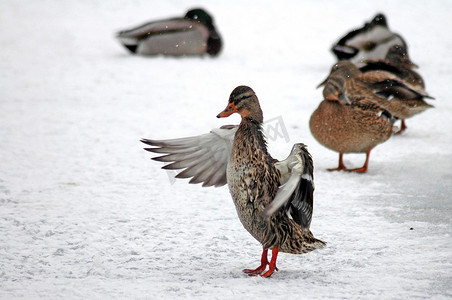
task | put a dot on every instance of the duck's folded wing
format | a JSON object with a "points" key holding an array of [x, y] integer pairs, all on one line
{"points": [[399, 89], [410, 76], [381, 65], [388, 85], [295, 195], [155, 27], [202, 158]]}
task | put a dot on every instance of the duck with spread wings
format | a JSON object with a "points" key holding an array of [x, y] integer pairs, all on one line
{"points": [[273, 199]]}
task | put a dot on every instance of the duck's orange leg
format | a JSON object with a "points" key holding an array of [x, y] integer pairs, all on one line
{"points": [[272, 264], [262, 267], [341, 164], [363, 169], [402, 127]]}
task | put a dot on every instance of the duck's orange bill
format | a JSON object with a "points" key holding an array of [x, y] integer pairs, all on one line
{"points": [[229, 110]]}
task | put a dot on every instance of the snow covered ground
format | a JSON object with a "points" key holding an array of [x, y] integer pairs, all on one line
{"points": [[85, 214]]}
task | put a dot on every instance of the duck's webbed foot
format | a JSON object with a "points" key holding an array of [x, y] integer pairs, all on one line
{"points": [[358, 170], [363, 169], [264, 262], [259, 270], [341, 166], [403, 127]]}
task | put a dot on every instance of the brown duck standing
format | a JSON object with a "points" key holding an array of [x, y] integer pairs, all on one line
{"points": [[398, 63], [350, 119], [273, 199]]}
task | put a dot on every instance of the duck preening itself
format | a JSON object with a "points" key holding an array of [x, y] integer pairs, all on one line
{"points": [[273, 199], [351, 118]]}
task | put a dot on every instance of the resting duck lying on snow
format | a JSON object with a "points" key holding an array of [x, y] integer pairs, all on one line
{"points": [[372, 41], [274, 199], [193, 34]]}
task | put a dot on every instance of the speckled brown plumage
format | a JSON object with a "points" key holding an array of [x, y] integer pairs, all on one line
{"points": [[351, 119], [407, 103], [253, 181], [273, 199]]}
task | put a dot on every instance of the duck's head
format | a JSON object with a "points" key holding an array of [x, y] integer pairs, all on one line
{"points": [[345, 68], [335, 83], [200, 15], [243, 101], [398, 54]]}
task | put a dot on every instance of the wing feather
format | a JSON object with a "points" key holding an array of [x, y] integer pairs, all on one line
{"points": [[202, 158], [296, 194]]}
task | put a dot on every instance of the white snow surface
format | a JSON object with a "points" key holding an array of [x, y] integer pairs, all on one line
{"points": [[85, 214]]}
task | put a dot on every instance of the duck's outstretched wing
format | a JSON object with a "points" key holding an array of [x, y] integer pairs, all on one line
{"points": [[295, 195], [203, 158]]}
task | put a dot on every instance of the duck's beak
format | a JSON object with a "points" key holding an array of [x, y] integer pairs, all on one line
{"points": [[412, 64], [229, 110], [322, 83], [344, 99], [339, 97]]}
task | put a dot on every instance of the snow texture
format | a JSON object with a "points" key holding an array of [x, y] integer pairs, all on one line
{"points": [[84, 213]]}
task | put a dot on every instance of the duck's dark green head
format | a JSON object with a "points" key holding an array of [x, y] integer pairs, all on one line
{"points": [[199, 14], [243, 101], [214, 42], [379, 19]]}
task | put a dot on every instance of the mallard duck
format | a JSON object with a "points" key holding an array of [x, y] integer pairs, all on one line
{"points": [[372, 41], [193, 34], [398, 63], [274, 199], [350, 119]]}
